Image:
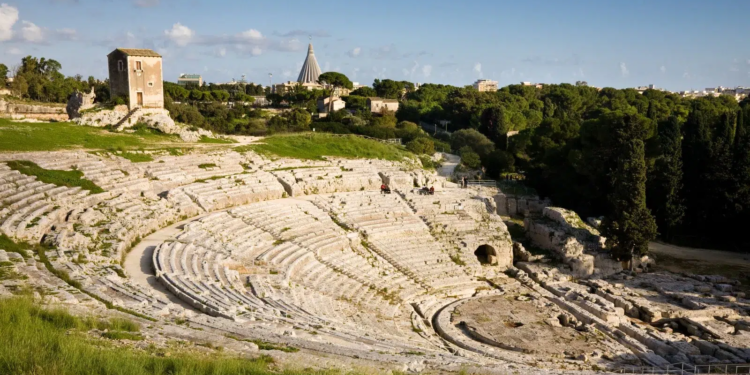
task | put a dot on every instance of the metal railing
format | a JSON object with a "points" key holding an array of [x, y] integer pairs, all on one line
{"points": [[685, 369]]}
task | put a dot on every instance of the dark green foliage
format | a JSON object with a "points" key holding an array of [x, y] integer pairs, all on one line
{"points": [[497, 163], [474, 140], [39, 79], [61, 178], [421, 146], [665, 181], [469, 158], [628, 225]]}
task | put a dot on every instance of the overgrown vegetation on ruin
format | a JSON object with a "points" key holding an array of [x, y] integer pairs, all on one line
{"points": [[42, 341], [61, 178], [316, 146]]}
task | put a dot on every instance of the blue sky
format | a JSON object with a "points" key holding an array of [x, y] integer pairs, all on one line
{"points": [[675, 44]]}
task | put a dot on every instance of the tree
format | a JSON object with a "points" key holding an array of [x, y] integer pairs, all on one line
{"points": [[335, 81], [421, 146], [494, 124], [20, 87], [629, 225], [498, 162], [665, 194], [3, 75], [469, 158], [474, 140], [364, 91], [298, 119]]}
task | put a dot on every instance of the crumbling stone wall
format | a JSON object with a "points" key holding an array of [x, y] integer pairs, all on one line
{"points": [[512, 205], [577, 244], [19, 111]]}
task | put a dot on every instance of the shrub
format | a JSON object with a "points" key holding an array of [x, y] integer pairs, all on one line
{"points": [[469, 158], [421, 146], [478, 143], [498, 162]]}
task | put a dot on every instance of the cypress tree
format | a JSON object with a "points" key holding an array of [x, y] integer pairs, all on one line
{"points": [[696, 155], [629, 225], [741, 175], [666, 194]]}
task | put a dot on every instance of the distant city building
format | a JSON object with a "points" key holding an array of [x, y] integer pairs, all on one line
{"points": [[338, 104], [537, 85], [485, 85], [377, 105], [136, 76], [190, 79]]}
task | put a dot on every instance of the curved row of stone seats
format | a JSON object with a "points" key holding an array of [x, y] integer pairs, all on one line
{"points": [[394, 231], [463, 221], [231, 191], [310, 228], [111, 173], [292, 262], [174, 171], [320, 180], [28, 207], [208, 288]]}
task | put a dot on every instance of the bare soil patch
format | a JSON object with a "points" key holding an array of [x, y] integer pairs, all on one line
{"points": [[524, 325]]}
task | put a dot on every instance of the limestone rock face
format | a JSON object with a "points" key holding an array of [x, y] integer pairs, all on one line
{"points": [[576, 243], [79, 101], [123, 119]]}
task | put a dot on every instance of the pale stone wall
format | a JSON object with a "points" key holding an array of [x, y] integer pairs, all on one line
{"points": [[149, 82], [40, 112]]}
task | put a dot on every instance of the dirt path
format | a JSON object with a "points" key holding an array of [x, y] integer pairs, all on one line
{"points": [[450, 162], [702, 261]]}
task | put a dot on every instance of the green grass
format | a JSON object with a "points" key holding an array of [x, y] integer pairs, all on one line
{"points": [[315, 146], [60, 178], [8, 245], [205, 139], [265, 345], [136, 157], [46, 342], [15, 136]]}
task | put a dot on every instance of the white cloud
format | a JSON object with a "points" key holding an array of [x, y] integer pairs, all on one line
{"points": [[67, 34], [221, 52], [256, 51], [686, 74], [287, 73], [624, 70], [180, 34], [355, 52], [580, 72], [8, 18], [427, 71], [15, 51], [251, 34], [31, 32], [663, 69], [478, 69]]}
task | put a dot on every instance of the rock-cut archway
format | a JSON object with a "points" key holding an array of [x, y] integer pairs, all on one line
{"points": [[486, 254]]}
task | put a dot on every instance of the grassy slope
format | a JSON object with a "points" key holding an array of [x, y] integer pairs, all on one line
{"points": [[42, 342], [316, 146], [60, 178], [15, 136]]}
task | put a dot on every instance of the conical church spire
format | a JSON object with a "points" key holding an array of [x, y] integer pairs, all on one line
{"points": [[310, 69]]}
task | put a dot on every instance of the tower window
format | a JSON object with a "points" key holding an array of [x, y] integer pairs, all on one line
{"points": [[120, 66]]}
